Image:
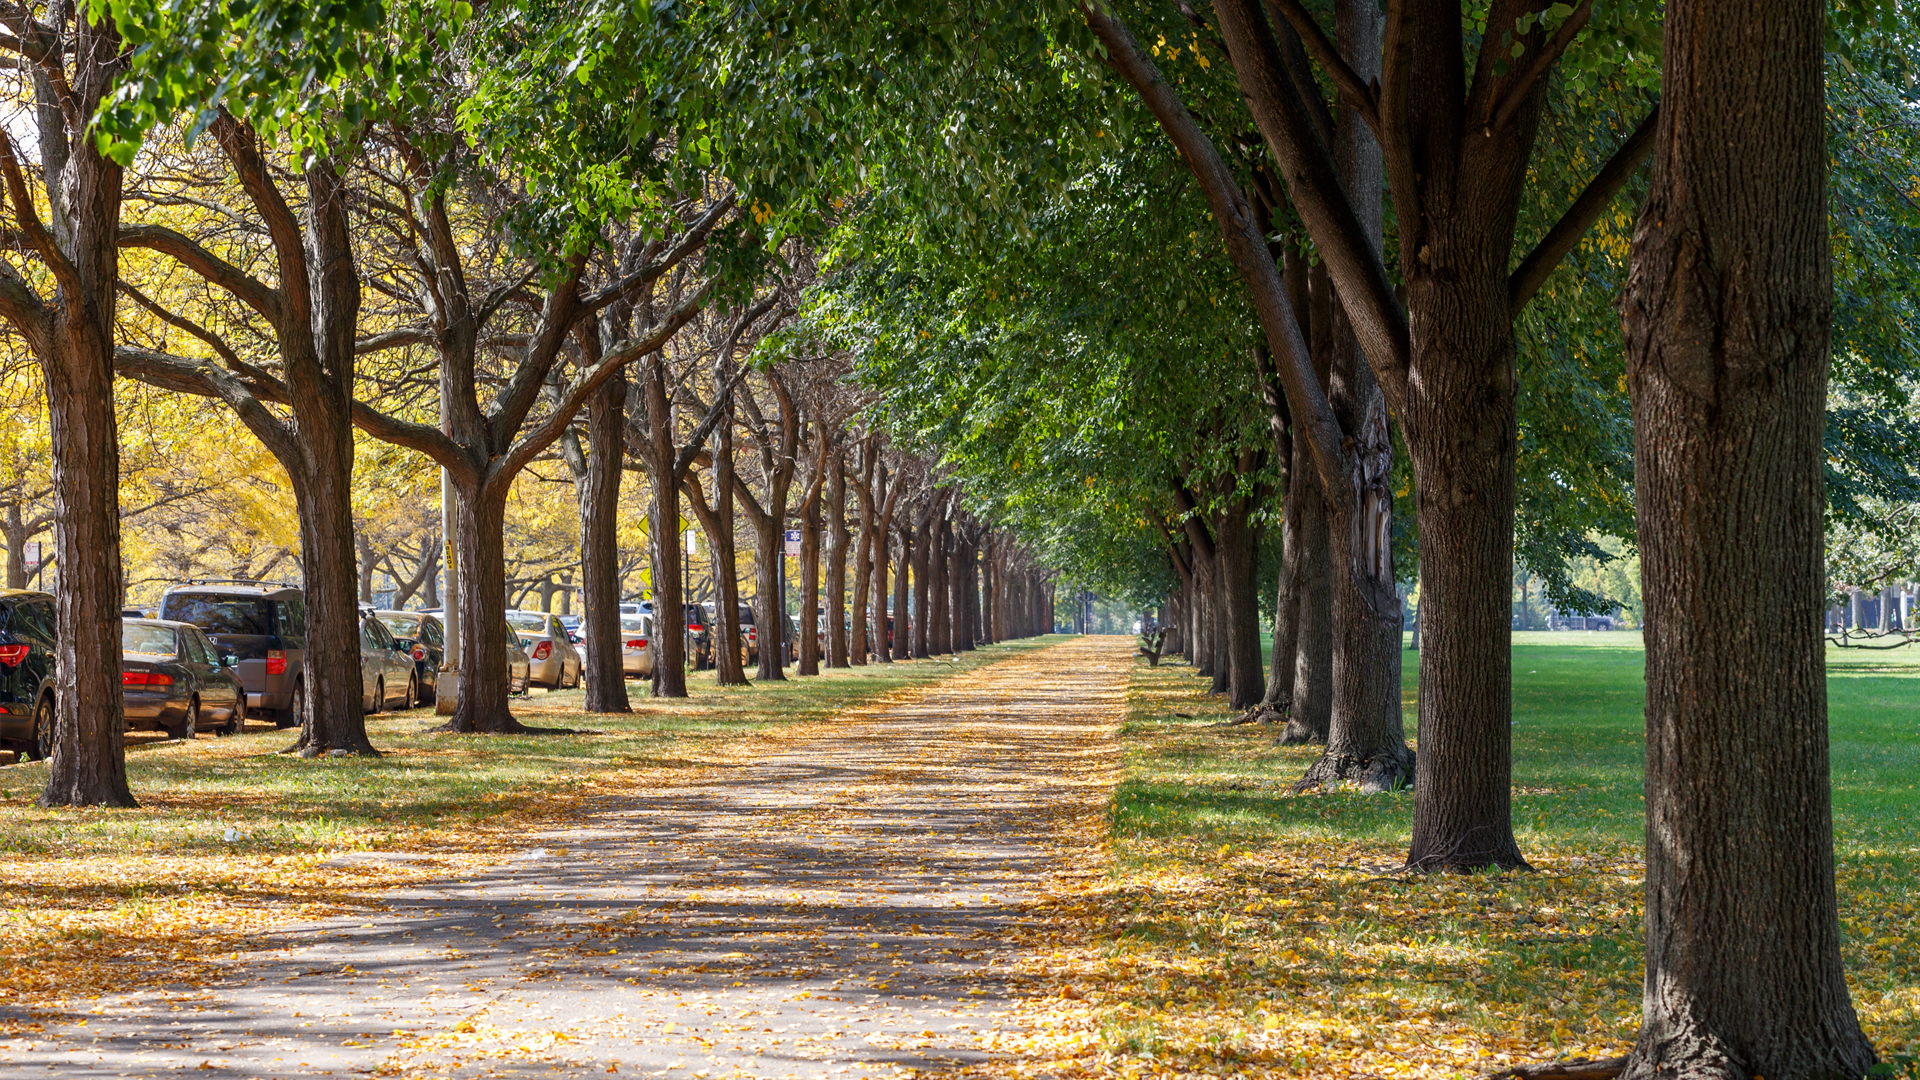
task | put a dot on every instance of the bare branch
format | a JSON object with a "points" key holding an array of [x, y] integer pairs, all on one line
{"points": [[1593, 201]]}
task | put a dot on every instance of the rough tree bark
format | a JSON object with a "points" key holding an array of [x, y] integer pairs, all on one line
{"points": [[922, 564], [840, 537], [777, 439], [887, 493], [71, 334], [312, 315], [862, 569], [596, 479], [656, 449], [810, 524], [1727, 318], [939, 623], [902, 622]]}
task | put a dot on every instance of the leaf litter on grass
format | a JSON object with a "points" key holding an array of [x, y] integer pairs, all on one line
{"points": [[1233, 928], [232, 839]]}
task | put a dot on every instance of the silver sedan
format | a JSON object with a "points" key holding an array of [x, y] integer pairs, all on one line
{"points": [[555, 662]]}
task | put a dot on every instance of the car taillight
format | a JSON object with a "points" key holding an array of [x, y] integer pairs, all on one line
{"points": [[11, 655], [752, 634], [276, 662], [695, 628], [543, 650], [419, 652], [145, 678], [637, 643]]}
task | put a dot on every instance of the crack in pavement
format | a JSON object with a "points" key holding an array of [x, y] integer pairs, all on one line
{"points": [[831, 901]]}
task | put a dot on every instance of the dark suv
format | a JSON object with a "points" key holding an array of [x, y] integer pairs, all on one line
{"points": [[26, 671], [263, 626]]}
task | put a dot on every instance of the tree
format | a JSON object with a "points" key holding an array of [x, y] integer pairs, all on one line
{"points": [[66, 318], [1727, 319], [312, 315]]}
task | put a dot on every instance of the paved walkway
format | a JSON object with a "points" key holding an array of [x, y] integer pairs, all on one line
{"points": [[831, 907]]}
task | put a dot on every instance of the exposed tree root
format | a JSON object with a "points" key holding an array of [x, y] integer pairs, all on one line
{"points": [[512, 727], [1387, 769], [304, 749], [1258, 714], [1571, 1069]]}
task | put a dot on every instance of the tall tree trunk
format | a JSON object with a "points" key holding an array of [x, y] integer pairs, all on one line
{"points": [[597, 488], [809, 643], [902, 621], [939, 624], [663, 538], [922, 537], [956, 591], [841, 538], [480, 547], [727, 637], [971, 561], [1727, 318], [990, 631], [770, 620], [72, 336], [880, 529], [1236, 547], [862, 581], [1366, 738], [1461, 433]]}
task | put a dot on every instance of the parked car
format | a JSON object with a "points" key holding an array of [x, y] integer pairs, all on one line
{"points": [[383, 666], [575, 627], [699, 636], [636, 646], [424, 638], [749, 638], [263, 626], [556, 663], [27, 639], [519, 666], [172, 679]]}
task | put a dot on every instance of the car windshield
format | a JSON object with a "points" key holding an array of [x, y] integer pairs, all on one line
{"points": [[146, 639], [218, 614], [633, 624], [401, 625], [532, 622]]}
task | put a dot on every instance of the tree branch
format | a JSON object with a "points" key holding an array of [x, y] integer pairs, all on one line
{"points": [[1354, 93], [213, 340], [1517, 91], [1242, 236], [1593, 201], [591, 380], [690, 241], [188, 252], [31, 228]]}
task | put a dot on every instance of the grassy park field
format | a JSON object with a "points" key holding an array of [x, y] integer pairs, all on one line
{"points": [[1246, 927]]}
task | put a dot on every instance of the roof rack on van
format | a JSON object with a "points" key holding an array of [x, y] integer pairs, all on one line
{"points": [[238, 581]]}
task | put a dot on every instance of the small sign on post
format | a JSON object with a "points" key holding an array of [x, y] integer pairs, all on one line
{"points": [[793, 543], [30, 555]]}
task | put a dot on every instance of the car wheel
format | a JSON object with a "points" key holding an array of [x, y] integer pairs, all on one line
{"points": [[430, 695], [379, 697], [43, 721], [190, 726], [413, 694], [293, 714]]}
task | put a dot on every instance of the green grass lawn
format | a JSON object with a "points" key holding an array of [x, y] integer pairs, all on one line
{"points": [[1283, 936]]}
